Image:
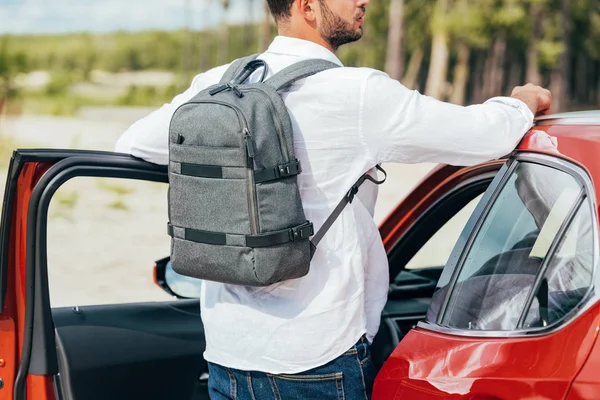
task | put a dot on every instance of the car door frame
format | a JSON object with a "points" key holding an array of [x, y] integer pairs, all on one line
{"points": [[34, 176], [433, 191]]}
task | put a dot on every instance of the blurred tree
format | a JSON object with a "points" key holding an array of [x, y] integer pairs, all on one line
{"points": [[11, 64], [266, 30], [417, 38], [223, 39], [482, 47], [394, 63], [438, 66], [537, 11], [559, 78], [467, 30]]}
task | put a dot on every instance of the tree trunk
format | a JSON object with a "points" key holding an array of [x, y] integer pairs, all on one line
{"points": [[461, 74], [515, 72], [394, 63], [533, 68], [597, 91], [559, 83], [412, 72], [438, 66], [582, 79], [477, 76], [250, 28], [265, 36], [223, 44], [494, 72]]}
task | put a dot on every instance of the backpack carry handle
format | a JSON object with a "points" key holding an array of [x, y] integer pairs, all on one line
{"points": [[248, 69]]}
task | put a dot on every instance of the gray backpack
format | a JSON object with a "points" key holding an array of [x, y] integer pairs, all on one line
{"points": [[235, 213]]}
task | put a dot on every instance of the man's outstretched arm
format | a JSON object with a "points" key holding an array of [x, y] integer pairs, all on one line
{"points": [[401, 125]]}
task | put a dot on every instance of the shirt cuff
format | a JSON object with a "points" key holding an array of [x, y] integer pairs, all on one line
{"points": [[515, 103]]}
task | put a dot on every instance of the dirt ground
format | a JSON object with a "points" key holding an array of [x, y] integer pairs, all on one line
{"points": [[105, 234]]}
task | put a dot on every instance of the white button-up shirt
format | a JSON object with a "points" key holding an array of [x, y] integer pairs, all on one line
{"points": [[345, 121]]}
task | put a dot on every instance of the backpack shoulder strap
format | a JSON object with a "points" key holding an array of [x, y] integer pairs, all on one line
{"points": [[297, 71], [340, 207], [235, 67]]}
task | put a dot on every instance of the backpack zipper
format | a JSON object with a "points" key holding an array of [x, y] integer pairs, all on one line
{"points": [[278, 128], [252, 200], [249, 144]]}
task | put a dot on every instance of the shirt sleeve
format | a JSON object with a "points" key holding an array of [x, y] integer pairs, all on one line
{"points": [[402, 125], [148, 138]]}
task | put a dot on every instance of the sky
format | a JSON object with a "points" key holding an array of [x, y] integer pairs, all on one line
{"points": [[63, 16]]}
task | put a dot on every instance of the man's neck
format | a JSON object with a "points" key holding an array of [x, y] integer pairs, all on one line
{"points": [[312, 36]]}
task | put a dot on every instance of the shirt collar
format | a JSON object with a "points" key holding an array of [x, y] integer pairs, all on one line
{"points": [[301, 48]]}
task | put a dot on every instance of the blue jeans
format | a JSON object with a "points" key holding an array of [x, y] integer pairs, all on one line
{"points": [[348, 377]]}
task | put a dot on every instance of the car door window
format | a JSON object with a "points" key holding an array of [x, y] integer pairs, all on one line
{"points": [[437, 249], [569, 273], [104, 235], [522, 257]]}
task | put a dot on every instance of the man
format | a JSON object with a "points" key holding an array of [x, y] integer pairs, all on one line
{"points": [[309, 338]]}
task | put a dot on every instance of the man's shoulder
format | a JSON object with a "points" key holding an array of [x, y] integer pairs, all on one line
{"points": [[359, 73]]}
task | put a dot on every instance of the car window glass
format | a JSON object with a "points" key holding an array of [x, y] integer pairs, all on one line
{"points": [[568, 275], [437, 249], [104, 236], [508, 250]]}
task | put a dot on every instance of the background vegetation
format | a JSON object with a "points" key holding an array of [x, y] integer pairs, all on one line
{"points": [[462, 51]]}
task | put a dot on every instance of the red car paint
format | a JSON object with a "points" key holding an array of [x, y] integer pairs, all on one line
{"points": [[560, 365]]}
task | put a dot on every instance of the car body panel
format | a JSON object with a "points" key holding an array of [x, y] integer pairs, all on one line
{"points": [[430, 365], [434, 365], [23, 179], [586, 385]]}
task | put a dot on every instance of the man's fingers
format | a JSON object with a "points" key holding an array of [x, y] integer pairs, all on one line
{"points": [[543, 97]]}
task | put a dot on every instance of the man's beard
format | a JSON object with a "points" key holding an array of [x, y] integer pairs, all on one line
{"points": [[335, 30]]}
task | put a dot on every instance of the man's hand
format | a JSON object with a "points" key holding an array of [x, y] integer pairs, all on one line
{"points": [[537, 98]]}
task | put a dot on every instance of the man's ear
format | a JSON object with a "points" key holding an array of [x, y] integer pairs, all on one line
{"points": [[306, 8]]}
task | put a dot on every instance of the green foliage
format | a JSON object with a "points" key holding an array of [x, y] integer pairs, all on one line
{"points": [[74, 58]]}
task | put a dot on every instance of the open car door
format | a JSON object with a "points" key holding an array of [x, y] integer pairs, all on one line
{"points": [[119, 351]]}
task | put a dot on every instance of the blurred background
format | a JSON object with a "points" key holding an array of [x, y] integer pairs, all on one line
{"points": [[77, 73], [57, 58]]}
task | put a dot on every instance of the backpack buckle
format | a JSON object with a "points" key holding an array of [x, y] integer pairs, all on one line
{"points": [[303, 231], [288, 169]]}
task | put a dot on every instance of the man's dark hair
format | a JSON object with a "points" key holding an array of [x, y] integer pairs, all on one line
{"points": [[280, 9]]}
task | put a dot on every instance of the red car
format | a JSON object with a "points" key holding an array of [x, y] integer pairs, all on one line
{"points": [[509, 312]]}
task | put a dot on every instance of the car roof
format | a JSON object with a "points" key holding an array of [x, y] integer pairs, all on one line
{"points": [[571, 135], [588, 117]]}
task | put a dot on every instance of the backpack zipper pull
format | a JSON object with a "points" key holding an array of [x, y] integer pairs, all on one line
{"points": [[237, 91], [249, 144], [219, 89]]}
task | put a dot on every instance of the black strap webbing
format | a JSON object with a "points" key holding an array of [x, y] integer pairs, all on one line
{"points": [[340, 207], [280, 171], [299, 232], [202, 171]]}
